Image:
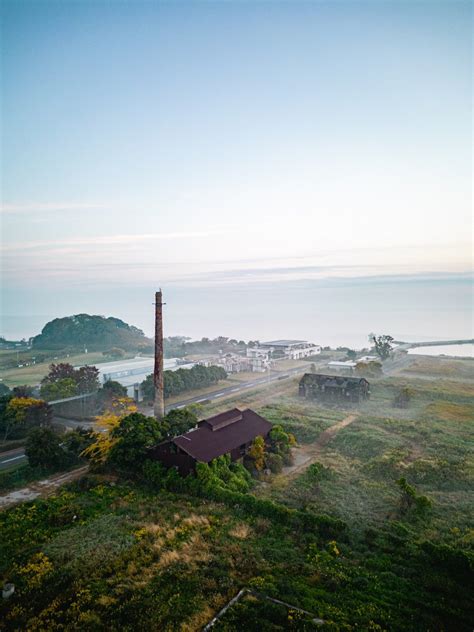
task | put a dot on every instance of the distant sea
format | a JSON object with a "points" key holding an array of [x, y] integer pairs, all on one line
{"points": [[461, 351], [328, 312]]}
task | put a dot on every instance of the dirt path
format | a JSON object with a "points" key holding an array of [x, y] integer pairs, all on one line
{"points": [[307, 454], [40, 488]]}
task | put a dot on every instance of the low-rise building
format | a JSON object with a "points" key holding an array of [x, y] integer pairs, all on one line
{"points": [[334, 387], [259, 359], [292, 349], [231, 432], [346, 366]]}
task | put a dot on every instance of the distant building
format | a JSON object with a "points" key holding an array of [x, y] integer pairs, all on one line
{"points": [[231, 432], [259, 359], [334, 388], [346, 366], [292, 349], [230, 362]]}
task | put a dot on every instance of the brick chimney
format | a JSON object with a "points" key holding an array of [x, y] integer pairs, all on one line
{"points": [[159, 404]]}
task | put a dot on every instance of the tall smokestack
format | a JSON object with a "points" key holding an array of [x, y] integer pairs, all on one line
{"points": [[159, 405]]}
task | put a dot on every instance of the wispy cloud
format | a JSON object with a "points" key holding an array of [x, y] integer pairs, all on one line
{"points": [[110, 240], [49, 207]]}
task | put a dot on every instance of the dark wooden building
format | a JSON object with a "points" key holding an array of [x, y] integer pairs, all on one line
{"points": [[231, 433], [336, 388]]}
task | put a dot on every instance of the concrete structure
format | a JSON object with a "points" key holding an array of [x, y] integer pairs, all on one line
{"points": [[259, 359], [342, 365], [333, 387], [230, 362], [292, 349]]}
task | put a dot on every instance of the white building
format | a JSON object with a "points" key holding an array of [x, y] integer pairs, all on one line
{"points": [[292, 349], [259, 359], [340, 365]]}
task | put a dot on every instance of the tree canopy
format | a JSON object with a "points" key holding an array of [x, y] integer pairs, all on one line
{"points": [[93, 332], [182, 380], [383, 346], [63, 380]]}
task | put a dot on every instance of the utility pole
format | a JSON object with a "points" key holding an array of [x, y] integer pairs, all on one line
{"points": [[159, 404]]}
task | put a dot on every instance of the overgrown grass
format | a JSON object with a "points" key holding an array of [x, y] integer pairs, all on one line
{"points": [[104, 556]]}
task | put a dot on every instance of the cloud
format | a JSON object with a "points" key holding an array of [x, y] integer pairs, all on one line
{"points": [[66, 245], [50, 207]]}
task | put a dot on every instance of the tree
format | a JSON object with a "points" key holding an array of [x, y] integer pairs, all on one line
{"points": [[112, 389], [44, 450], [58, 372], [114, 352], [180, 420], [132, 436], [257, 453], [23, 390], [22, 413], [369, 369], [281, 443], [383, 346], [61, 389], [87, 379], [63, 381], [274, 462], [98, 450], [351, 354], [93, 332], [77, 441], [410, 498]]}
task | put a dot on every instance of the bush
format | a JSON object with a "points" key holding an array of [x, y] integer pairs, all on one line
{"points": [[274, 462], [44, 450]]}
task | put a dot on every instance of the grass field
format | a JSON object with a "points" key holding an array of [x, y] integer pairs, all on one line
{"points": [[33, 374], [109, 554]]}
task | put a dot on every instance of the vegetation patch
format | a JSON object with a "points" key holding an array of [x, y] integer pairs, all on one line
{"points": [[450, 411]]}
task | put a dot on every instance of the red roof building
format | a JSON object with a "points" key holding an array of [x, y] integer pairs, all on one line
{"points": [[231, 432]]}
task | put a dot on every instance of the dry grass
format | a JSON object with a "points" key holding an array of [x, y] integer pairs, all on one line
{"points": [[450, 411], [436, 366], [241, 531]]}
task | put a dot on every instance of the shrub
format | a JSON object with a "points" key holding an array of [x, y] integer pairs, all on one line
{"points": [[44, 450], [274, 462]]}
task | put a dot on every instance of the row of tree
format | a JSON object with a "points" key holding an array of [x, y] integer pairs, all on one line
{"points": [[63, 380], [182, 380]]}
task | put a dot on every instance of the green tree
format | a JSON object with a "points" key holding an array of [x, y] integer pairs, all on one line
{"points": [[383, 346], [180, 420], [410, 498], [133, 435], [19, 414], [43, 449], [111, 389], [61, 389]]}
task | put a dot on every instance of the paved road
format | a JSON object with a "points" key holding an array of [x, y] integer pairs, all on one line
{"points": [[11, 458], [17, 457], [242, 386]]}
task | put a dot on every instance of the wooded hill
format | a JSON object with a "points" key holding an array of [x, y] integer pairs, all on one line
{"points": [[97, 333]]}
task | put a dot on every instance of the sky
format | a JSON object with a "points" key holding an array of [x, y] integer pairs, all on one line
{"points": [[222, 145]]}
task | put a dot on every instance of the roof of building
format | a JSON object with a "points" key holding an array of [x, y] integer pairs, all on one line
{"points": [[222, 433], [333, 381], [284, 343]]}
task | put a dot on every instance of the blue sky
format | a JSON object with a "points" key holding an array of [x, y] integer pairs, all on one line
{"points": [[201, 143]]}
